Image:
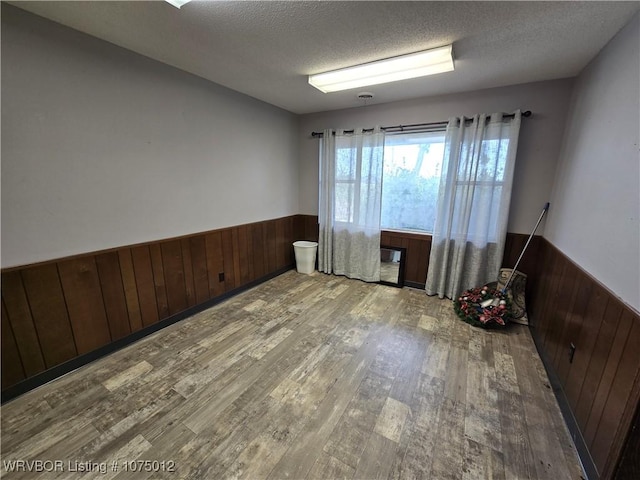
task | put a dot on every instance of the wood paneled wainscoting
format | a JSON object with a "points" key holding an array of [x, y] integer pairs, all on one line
{"points": [[418, 246], [60, 314], [598, 386]]}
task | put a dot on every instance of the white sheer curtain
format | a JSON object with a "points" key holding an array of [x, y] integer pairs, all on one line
{"points": [[473, 203], [326, 201], [350, 203]]}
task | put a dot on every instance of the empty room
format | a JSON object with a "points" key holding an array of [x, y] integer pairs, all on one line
{"points": [[320, 240]]}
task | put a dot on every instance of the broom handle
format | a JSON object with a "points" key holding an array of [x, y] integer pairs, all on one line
{"points": [[544, 210]]}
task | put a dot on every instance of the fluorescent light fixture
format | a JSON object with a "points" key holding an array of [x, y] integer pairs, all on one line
{"points": [[177, 3], [419, 64]]}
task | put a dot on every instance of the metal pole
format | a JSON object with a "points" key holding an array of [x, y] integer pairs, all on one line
{"points": [[417, 126], [544, 210]]}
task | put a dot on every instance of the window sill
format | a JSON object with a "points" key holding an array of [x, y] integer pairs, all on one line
{"points": [[408, 233]]}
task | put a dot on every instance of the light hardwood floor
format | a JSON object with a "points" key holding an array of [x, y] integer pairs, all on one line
{"points": [[304, 377]]}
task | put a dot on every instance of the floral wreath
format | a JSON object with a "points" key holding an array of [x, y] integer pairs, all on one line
{"points": [[474, 307]]}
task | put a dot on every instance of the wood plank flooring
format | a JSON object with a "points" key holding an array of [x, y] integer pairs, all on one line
{"points": [[302, 377]]}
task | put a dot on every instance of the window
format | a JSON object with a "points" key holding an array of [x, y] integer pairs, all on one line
{"points": [[412, 168], [486, 175], [346, 163], [411, 177], [357, 181]]}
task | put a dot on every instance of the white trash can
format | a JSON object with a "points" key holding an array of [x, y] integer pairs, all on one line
{"points": [[305, 256]]}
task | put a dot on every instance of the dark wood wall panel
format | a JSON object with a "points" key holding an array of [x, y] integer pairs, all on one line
{"points": [[241, 250], [215, 263], [145, 285], [23, 330], [601, 384], [230, 277], [55, 311], [113, 294], [597, 362], [573, 323], [199, 267], [514, 243], [260, 251], [288, 239], [285, 234], [540, 280], [85, 307], [307, 228], [271, 246], [187, 268], [621, 403], [418, 250], [174, 275], [49, 313], [12, 370], [629, 466], [585, 344], [251, 255], [157, 268], [130, 289], [548, 330], [566, 298], [609, 371], [280, 236]]}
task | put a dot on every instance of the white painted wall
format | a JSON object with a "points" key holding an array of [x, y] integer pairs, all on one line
{"points": [[102, 147], [596, 195], [538, 148]]}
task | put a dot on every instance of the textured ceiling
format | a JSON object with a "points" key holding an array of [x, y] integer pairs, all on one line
{"points": [[266, 49]]}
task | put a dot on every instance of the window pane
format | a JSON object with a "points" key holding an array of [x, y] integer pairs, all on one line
{"points": [[412, 167], [345, 164], [493, 158], [344, 201], [484, 212]]}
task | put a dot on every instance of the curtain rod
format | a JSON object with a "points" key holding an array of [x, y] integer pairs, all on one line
{"points": [[418, 126]]}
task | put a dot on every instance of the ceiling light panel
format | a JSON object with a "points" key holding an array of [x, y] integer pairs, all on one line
{"points": [[413, 65]]}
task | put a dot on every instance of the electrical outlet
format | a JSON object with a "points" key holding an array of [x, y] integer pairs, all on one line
{"points": [[572, 351], [221, 277]]}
